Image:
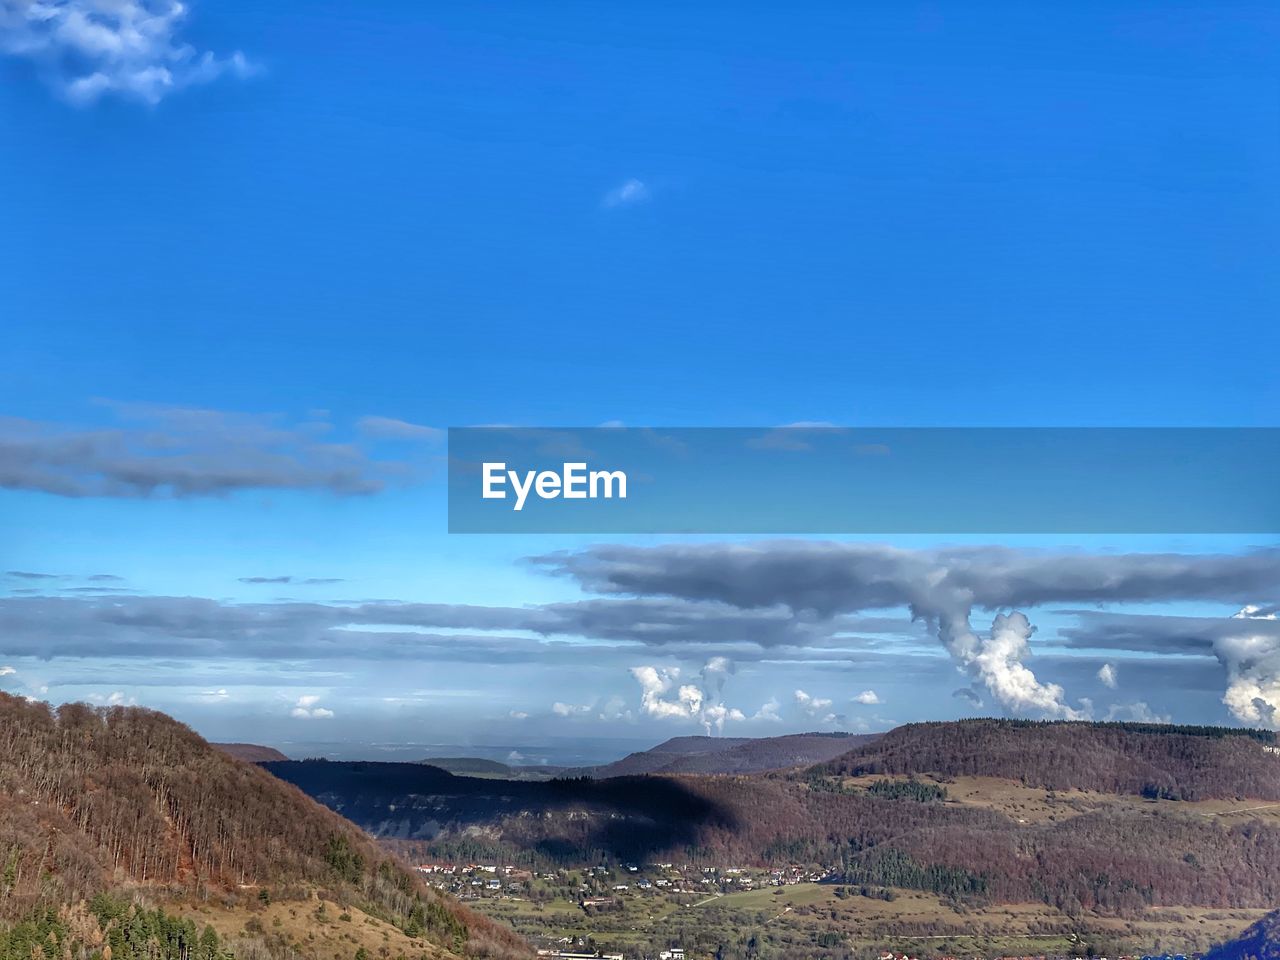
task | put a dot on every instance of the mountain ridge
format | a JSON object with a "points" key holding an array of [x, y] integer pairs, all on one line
{"points": [[96, 801]]}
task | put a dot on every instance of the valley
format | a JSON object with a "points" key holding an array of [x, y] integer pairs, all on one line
{"points": [[978, 839], [973, 838]]}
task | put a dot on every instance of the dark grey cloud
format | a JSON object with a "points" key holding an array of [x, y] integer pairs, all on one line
{"points": [[822, 580], [829, 578], [150, 626], [95, 578], [661, 621], [305, 581], [1155, 633], [153, 451], [777, 602]]}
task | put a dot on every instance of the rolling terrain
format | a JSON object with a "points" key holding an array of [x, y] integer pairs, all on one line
{"points": [[1159, 761], [712, 755], [1102, 820], [250, 752], [705, 755], [480, 767], [121, 823]]}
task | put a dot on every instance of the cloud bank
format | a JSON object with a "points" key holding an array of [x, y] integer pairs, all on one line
{"points": [[943, 588], [150, 451], [87, 49], [841, 605]]}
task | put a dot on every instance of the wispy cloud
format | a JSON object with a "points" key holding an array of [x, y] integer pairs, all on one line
{"points": [[626, 194], [388, 428], [87, 49], [158, 451], [304, 581]]}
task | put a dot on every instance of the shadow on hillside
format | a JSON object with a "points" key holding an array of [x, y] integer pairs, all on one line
{"points": [[632, 817]]}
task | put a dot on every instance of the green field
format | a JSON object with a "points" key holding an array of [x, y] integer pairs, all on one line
{"points": [[811, 920]]}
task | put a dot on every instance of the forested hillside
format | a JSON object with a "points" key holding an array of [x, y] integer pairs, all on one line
{"points": [[1113, 854], [1179, 763], [100, 800]]}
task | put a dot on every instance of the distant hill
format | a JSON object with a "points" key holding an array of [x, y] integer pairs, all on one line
{"points": [[107, 802], [415, 801], [480, 767], [463, 765], [1260, 942], [709, 755], [705, 755], [1153, 760], [250, 752]]}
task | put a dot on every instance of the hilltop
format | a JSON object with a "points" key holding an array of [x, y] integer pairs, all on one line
{"points": [[711, 755], [1151, 760], [703, 755], [480, 767], [250, 752], [117, 806]]}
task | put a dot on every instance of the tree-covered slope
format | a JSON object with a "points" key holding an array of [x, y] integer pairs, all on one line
{"points": [[99, 800], [1182, 763]]}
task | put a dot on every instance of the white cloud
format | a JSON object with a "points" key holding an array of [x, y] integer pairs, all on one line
{"points": [[131, 48], [690, 701], [307, 708], [1252, 659], [626, 194], [997, 661], [811, 704], [570, 710], [518, 715], [114, 699], [1108, 675], [817, 707], [7, 671], [769, 711], [868, 698], [213, 696]]}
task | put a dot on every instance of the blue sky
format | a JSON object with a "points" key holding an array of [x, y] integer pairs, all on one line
{"points": [[674, 214]]}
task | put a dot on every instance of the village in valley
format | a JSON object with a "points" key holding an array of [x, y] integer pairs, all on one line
{"points": [[632, 911]]}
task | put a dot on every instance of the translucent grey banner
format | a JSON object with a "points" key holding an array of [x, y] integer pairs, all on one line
{"points": [[808, 480]]}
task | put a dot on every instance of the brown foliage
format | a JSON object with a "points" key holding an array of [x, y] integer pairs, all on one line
{"points": [[93, 797]]}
